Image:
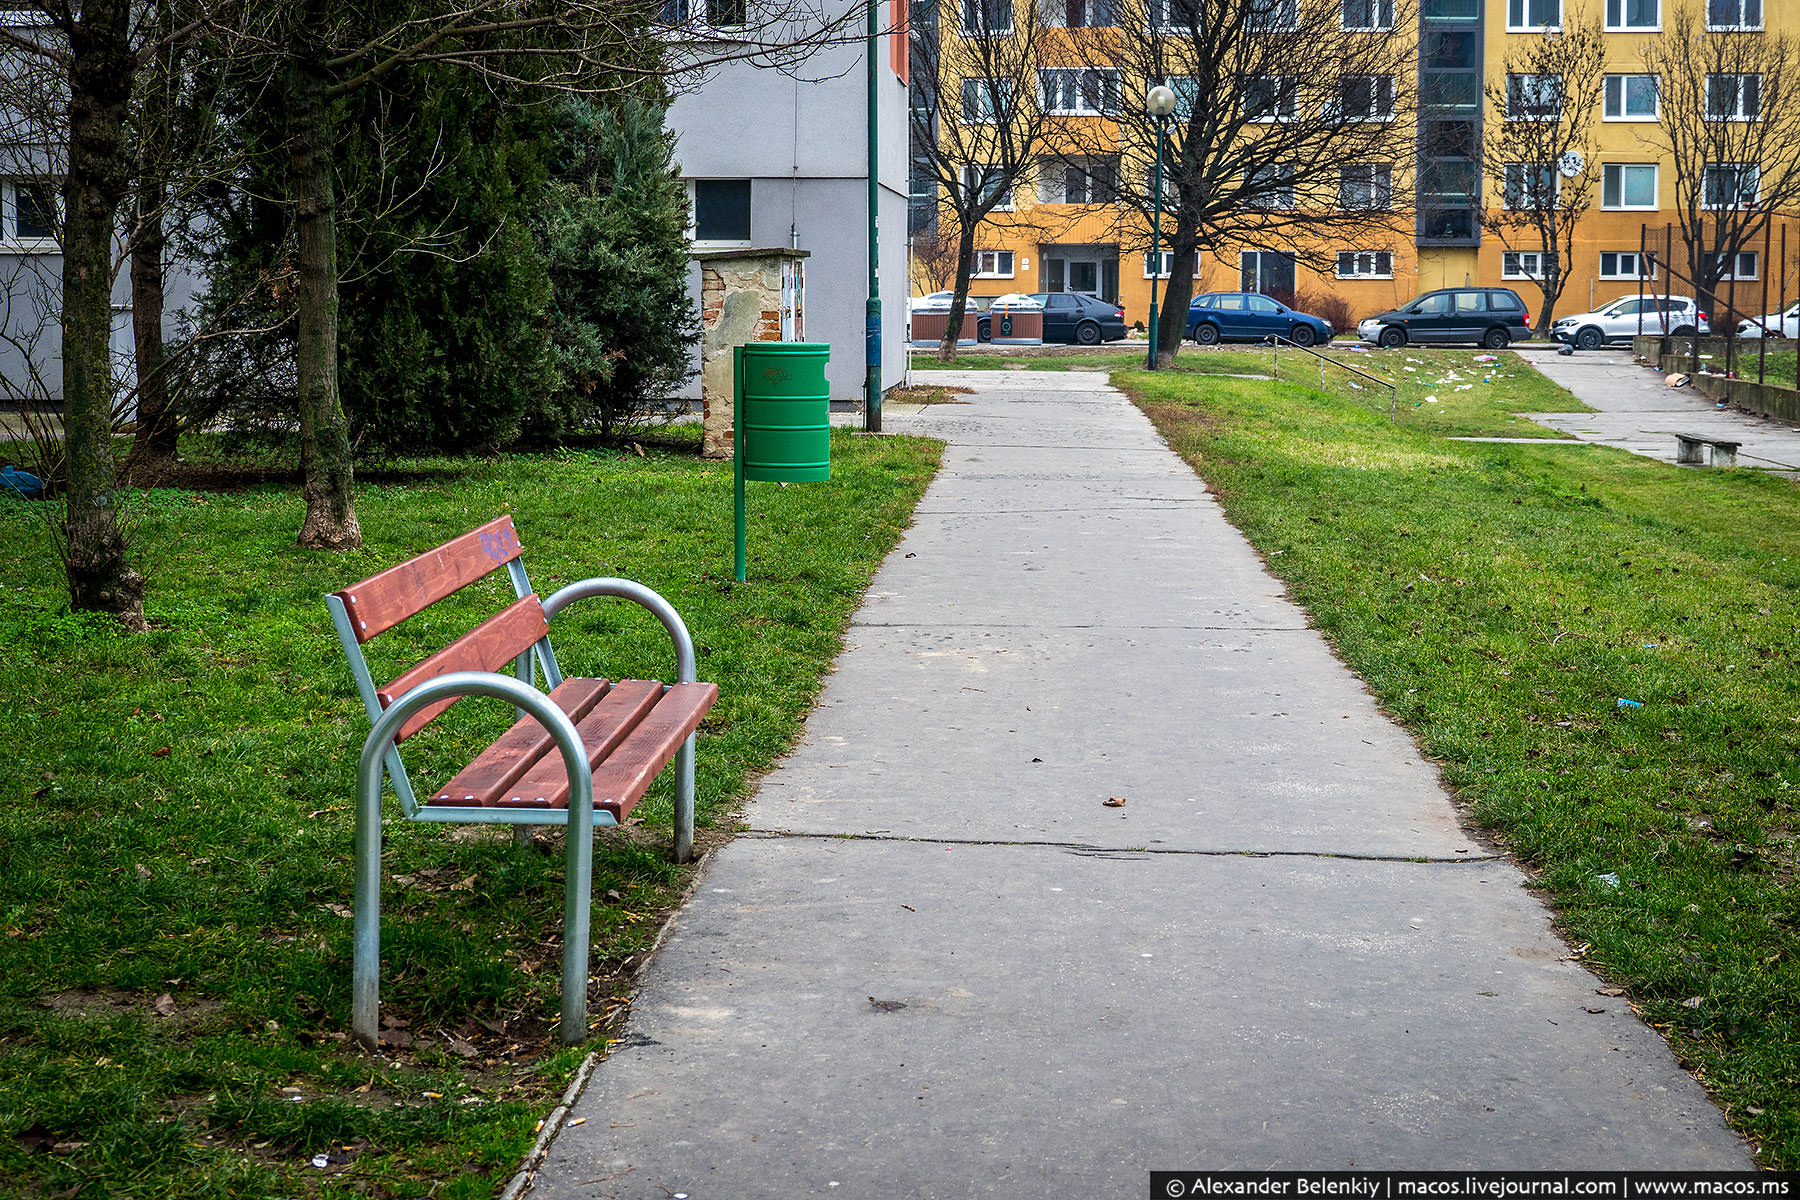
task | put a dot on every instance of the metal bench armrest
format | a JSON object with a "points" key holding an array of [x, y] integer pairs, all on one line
{"points": [[578, 877], [686, 671]]}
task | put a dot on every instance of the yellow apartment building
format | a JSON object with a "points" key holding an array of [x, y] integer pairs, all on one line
{"points": [[1064, 231]]}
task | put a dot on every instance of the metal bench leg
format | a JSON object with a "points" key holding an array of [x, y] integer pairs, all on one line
{"points": [[578, 886], [365, 987], [684, 801]]}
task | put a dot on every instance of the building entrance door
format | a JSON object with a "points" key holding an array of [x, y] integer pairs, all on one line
{"points": [[1089, 270]]}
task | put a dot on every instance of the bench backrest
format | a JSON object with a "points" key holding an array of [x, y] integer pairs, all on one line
{"points": [[365, 610]]}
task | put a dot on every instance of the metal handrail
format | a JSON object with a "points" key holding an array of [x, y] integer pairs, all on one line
{"points": [[1276, 340]]}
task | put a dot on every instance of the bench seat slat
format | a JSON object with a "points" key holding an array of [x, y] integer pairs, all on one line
{"points": [[546, 783], [623, 779], [502, 764], [382, 601], [490, 646]]}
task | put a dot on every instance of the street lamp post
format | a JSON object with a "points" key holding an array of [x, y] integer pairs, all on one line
{"points": [[1159, 103]]}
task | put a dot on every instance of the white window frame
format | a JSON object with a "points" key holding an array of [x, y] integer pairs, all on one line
{"points": [[696, 16], [987, 264], [1745, 258], [980, 9], [1365, 264], [693, 229], [1053, 180], [1707, 190], [1167, 258], [1518, 16], [1618, 271], [1163, 17], [9, 217], [1738, 85], [1616, 23], [1273, 203], [1513, 264], [1285, 93], [1095, 14], [1379, 185], [1057, 85], [1274, 16], [1619, 170], [987, 113], [1509, 191], [971, 179], [1740, 23], [1381, 98], [1616, 87], [1381, 10], [1522, 92]]}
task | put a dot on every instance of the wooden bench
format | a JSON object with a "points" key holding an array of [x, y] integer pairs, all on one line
{"points": [[582, 752], [1695, 449]]}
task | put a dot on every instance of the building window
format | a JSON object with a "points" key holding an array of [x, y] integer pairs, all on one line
{"points": [[984, 183], [1522, 264], [1365, 187], [1533, 14], [28, 214], [1166, 261], [991, 264], [1272, 98], [1534, 97], [1274, 16], [1365, 264], [1080, 14], [722, 211], [1730, 185], [1733, 97], [1068, 93], [986, 16], [1633, 14], [711, 14], [1630, 98], [1626, 264], [1628, 185], [1530, 186], [1734, 14], [1175, 14], [1366, 97], [1078, 181], [1270, 186], [1741, 265], [985, 101], [1368, 14]]}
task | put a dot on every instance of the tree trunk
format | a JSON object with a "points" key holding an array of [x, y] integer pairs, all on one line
{"points": [[324, 435], [959, 302], [100, 79], [1175, 297], [154, 445]]}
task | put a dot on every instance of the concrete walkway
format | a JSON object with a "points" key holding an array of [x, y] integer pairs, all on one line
{"points": [[1634, 410], [940, 964]]}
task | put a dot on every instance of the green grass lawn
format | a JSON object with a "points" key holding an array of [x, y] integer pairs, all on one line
{"points": [[175, 852], [1444, 391], [1602, 653]]}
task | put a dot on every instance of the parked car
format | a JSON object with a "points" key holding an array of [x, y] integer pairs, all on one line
{"points": [[1250, 316], [1487, 316], [1629, 316], [1779, 324], [1072, 317]]}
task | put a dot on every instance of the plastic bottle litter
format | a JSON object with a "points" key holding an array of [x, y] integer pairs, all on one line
{"points": [[1624, 703], [1610, 879]]}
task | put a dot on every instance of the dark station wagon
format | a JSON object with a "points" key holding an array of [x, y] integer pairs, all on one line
{"points": [[1486, 316]]}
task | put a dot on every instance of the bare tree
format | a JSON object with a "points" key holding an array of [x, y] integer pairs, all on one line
{"points": [[1730, 122], [1539, 154], [1293, 127], [934, 253], [978, 123]]}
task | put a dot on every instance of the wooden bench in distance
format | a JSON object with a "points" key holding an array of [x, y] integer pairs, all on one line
{"points": [[1694, 449], [582, 753]]}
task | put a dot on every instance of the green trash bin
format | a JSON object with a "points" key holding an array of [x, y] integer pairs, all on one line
{"points": [[785, 416]]}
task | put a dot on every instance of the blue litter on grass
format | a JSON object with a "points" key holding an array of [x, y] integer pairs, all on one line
{"points": [[24, 483], [1624, 703]]}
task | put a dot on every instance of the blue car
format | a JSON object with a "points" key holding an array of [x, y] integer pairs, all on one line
{"points": [[1250, 317]]}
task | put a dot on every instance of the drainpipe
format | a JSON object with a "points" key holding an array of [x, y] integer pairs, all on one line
{"points": [[872, 319]]}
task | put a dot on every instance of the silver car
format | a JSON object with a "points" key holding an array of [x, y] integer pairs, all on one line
{"points": [[1779, 324], [1629, 317]]}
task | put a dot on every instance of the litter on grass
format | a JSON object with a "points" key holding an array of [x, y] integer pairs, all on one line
{"points": [[1624, 703], [1610, 879]]}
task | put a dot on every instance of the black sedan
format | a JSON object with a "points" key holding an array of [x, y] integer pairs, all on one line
{"points": [[1073, 317]]}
